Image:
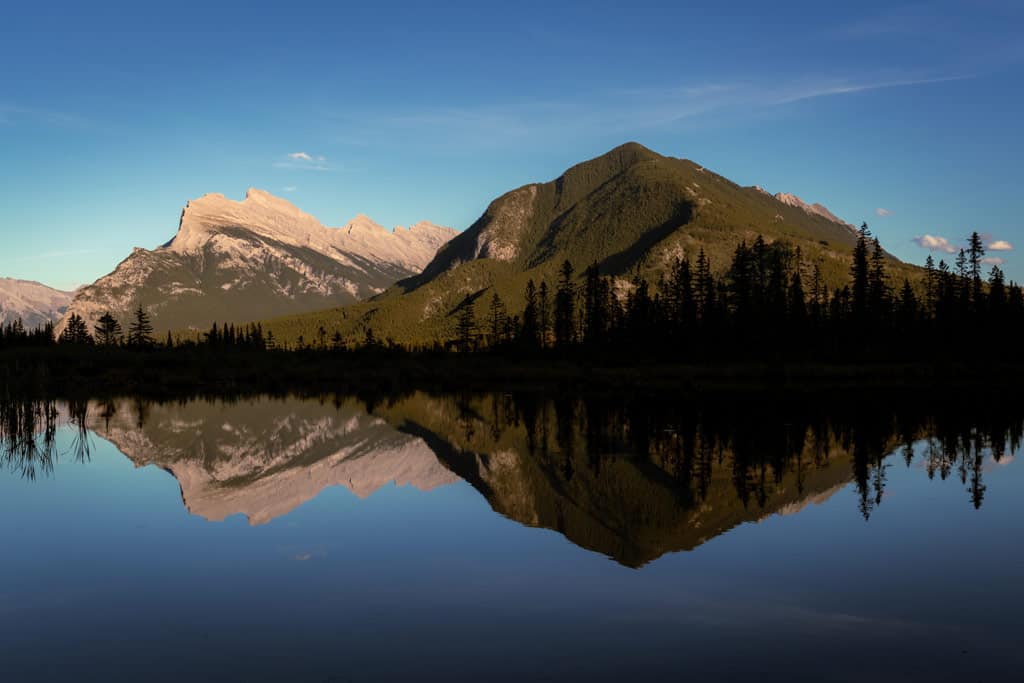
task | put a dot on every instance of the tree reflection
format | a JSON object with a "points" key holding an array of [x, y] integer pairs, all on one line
{"points": [[630, 476]]}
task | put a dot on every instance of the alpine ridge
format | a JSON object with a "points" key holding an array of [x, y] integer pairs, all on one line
{"points": [[237, 261]]}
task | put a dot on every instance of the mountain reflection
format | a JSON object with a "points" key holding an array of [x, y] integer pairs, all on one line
{"points": [[630, 478]]}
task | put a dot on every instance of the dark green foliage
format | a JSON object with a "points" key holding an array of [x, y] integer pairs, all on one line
{"points": [[467, 326], [859, 274], [108, 330], [75, 332], [565, 307], [140, 331]]}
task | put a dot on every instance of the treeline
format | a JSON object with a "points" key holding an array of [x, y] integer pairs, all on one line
{"points": [[768, 304], [769, 301]]}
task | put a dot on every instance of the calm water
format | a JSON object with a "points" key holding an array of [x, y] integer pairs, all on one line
{"points": [[508, 538]]}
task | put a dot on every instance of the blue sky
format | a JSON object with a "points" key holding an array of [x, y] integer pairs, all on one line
{"points": [[112, 116]]}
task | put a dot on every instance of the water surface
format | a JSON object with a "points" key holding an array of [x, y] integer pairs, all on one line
{"points": [[504, 537]]}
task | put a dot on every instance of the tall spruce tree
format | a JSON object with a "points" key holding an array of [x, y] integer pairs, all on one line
{"points": [[140, 331], [859, 273], [565, 307], [108, 330]]}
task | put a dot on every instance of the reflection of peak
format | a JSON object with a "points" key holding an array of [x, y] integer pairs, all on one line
{"points": [[263, 458], [627, 508]]}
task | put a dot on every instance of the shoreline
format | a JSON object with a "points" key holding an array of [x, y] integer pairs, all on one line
{"points": [[56, 371]]}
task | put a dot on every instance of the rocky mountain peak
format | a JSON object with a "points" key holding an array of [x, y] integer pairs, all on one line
{"points": [[260, 257], [791, 199]]}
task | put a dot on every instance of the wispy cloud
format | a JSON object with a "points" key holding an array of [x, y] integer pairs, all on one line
{"points": [[57, 254], [935, 243], [993, 260], [882, 213], [1000, 245], [289, 188], [11, 115], [303, 161], [620, 111]]}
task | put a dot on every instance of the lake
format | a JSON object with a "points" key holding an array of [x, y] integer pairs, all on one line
{"points": [[509, 537]]}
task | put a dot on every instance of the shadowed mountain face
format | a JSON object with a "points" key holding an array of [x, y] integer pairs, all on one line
{"points": [[241, 261], [631, 479]]}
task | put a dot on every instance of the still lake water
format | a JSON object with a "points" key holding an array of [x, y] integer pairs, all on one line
{"points": [[507, 538]]}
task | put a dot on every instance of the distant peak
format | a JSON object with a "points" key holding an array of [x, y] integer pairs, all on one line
{"points": [[816, 209], [362, 223]]}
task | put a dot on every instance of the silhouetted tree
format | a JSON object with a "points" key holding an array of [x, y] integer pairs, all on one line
{"points": [[108, 330], [140, 332], [565, 307]]}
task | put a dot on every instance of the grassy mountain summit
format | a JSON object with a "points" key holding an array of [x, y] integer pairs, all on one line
{"points": [[631, 211]]}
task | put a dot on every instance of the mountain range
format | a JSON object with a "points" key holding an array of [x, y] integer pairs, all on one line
{"points": [[237, 262], [631, 211], [33, 303]]}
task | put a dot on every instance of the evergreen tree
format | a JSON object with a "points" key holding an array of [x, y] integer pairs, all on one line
{"points": [[108, 330], [931, 284], [859, 273], [705, 287], [975, 254], [140, 332], [543, 314], [878, 286], [496, 319], [596, 305], [467, 326], [565, 307], [531, 317], [75, 332]]}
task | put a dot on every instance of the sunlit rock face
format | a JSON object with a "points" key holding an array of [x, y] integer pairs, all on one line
{"points": [[33, 303], [263, 458], [239, 261]]}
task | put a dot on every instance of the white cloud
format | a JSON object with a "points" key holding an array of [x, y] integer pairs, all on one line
{"points": [[933, 243], [993, 261], [303, 161], [882, 213], [289, 188], [1000, 245]]}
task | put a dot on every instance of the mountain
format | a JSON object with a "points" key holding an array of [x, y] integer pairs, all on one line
{"points": [[814, 209], [263, 458], [236, 262], [630, 210], [33, 303]]}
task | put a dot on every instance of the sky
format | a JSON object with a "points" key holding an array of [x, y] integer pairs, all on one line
{"points": [[112, 115]]}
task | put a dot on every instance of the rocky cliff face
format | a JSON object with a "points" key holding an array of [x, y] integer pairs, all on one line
{"points": [[790, 199], [236, 261], [33, 303]]}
